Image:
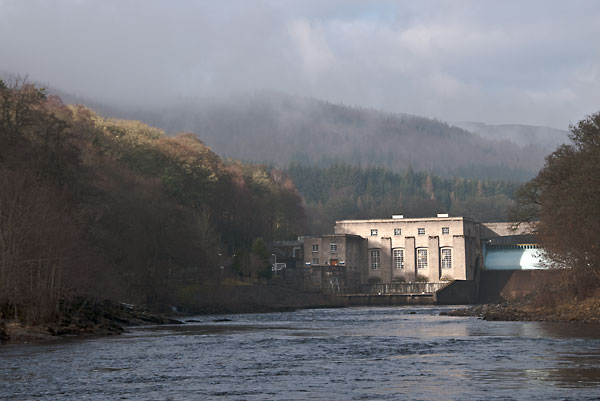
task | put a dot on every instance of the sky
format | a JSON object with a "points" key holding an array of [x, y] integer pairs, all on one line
{"points": [[495, 61]]}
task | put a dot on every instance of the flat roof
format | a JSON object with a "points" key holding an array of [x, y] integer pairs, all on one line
{"points": [[412, 220], [341, 235]]}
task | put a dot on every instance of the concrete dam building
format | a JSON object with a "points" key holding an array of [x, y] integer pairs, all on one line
{"points": [[426, 249], [408, 255]]}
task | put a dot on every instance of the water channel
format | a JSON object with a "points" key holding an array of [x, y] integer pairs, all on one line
{"points": [[400, 353]]}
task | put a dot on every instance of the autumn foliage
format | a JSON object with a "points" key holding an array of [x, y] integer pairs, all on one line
{"points": [[563, 201], [116, 208]]}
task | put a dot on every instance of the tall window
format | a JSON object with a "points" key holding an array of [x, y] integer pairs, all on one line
{"points": [[445, 230], [375, 259], [315, 261], [333, 247], [397, 231], [446, 258], [315, 248], [399, 258], [421, 231], [421, 258], [373, 232]]}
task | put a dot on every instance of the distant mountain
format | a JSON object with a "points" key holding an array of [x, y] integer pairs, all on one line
{"points": [[280, 129], [523, 135]]}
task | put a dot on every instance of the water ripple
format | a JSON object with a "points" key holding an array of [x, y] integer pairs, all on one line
{"points": [[332, 354]]}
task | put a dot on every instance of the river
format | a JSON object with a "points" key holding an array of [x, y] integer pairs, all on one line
{"points": [[400, 353]]}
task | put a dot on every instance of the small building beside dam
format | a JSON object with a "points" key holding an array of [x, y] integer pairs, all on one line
{"points": [[414, 260]]}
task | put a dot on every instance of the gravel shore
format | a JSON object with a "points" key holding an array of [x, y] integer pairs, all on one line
{"points": [[537, 307]]}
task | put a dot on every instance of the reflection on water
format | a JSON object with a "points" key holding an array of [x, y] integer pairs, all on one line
{"points": [[334, 354]]}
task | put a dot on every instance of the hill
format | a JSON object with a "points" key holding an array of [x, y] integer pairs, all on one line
{"points": [[116, 208], [275, 128], [279, 129], [530, 136]]}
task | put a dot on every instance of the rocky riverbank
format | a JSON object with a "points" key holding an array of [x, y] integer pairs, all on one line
{"points": [[83, 318], [93, 317], [540, 306]]}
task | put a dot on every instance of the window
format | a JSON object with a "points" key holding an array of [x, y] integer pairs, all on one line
{"points": [[315, 248], [399, 258], [421, 258], [397, 231], [333, 247], [445, 230], [446, 258], [315, 261], [373, 232], [375, 259], [421, 231]]}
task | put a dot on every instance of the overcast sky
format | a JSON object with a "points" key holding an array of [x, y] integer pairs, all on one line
{"points": [[531, 62]]}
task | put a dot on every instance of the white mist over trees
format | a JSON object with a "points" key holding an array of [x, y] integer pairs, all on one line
{"points": [[275, 128]]}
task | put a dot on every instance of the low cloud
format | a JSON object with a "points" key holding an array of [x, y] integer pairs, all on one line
{"points": [[531, 62]]}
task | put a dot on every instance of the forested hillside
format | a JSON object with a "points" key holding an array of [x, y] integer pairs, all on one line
{"points": [[528, 136], [277, 128], [115, 208], [342, 191]]}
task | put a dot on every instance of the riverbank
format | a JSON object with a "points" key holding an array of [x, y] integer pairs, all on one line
{"points": [[93, 317], [548, 305], [87, 317]]}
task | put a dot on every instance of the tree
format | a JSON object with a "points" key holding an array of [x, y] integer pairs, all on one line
{"points": [[564, 198], [116, 208], [253, 263]]}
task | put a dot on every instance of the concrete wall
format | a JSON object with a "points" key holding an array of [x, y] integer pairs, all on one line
{"points": [[433, 264], [385, 235], [459, 292], [293, 278], [410, 263], [327, 279], [386, 259], [505, 285], [351, 251], [356, 239], [408, 228], [401, 288], [502, 229], [459, 259], [384, 300]]}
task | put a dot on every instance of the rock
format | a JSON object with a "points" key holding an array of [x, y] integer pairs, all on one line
{"points": [[4, 337], [83, 317]]}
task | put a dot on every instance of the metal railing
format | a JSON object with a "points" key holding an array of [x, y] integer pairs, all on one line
{"points": [[402, 288]]}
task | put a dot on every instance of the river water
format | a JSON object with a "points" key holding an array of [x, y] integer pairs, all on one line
{"points": [[400, 353]]}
